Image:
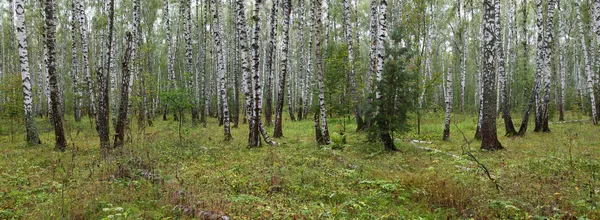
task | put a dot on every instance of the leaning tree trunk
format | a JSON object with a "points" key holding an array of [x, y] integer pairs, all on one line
{"points": [[488, 126], [588, 66], [30, 126], [548, 43], [448, 104], [218, 33], [278, 131], [352, 73], [123, 106], [320, 81], [50, 42], [508, 123]]}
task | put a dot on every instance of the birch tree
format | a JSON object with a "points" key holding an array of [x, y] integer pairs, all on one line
{"points": [[270, 56], [50, 42], [21, 31], [448, 100], [124, 104], [351, 72], [86, 54], [278, 131], [324, 139], [218, 37], [488, 126], [103, 88], [588, 65], [508, 123]]}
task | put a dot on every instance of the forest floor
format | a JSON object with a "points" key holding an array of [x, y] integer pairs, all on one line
{"points": [[156, 176]]}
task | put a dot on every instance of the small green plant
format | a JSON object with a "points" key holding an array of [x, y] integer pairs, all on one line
{"points": [[178, 101]]}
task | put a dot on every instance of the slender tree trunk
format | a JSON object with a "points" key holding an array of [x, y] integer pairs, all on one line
{"points": [[508, 123], [449, 96], [278, 131], [170, 55], [218, 33], [562, 66], [539, 67], [86, 56], [77, 95], [253, 138], [373, 31], [320, 81], [588, 66], [103, 89], [50, 42], [488, 126], [123, 106], [524, 42], [352, 73], [270, 56], [30, 125]]}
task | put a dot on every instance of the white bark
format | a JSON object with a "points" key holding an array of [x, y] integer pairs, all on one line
{"points": [[32, 134], [86, 55], [588, 66]]}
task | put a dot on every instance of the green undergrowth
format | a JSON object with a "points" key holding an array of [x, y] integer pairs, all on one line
{"points": [[157, 176]]}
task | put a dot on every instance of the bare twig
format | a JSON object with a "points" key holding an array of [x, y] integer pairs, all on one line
{"points": [[474, 159]]}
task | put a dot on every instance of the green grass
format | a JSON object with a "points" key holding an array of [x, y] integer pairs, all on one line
{"points": [[156, 176]]}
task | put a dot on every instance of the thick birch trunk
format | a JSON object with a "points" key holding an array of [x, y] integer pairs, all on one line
{"points": [[21, 31], [488, 125]]}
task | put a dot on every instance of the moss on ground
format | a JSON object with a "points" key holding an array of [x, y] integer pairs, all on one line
{"points": [[544, 175]]}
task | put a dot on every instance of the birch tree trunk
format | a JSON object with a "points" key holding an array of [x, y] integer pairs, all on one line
{"points": [[448, 98], [50, 42], [218, 33], [170, 55], [488, 126], [85, 51], [278, 131], [373, 31], [539, 68], [21, 31], [352, 73], [270, 56], [103, 89], [246, 74], [123, 106], [508, 123], [548, 43], [588, 66], [562, 66], [77, 95], [532, 97], [319, 65], [187, 26]]}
